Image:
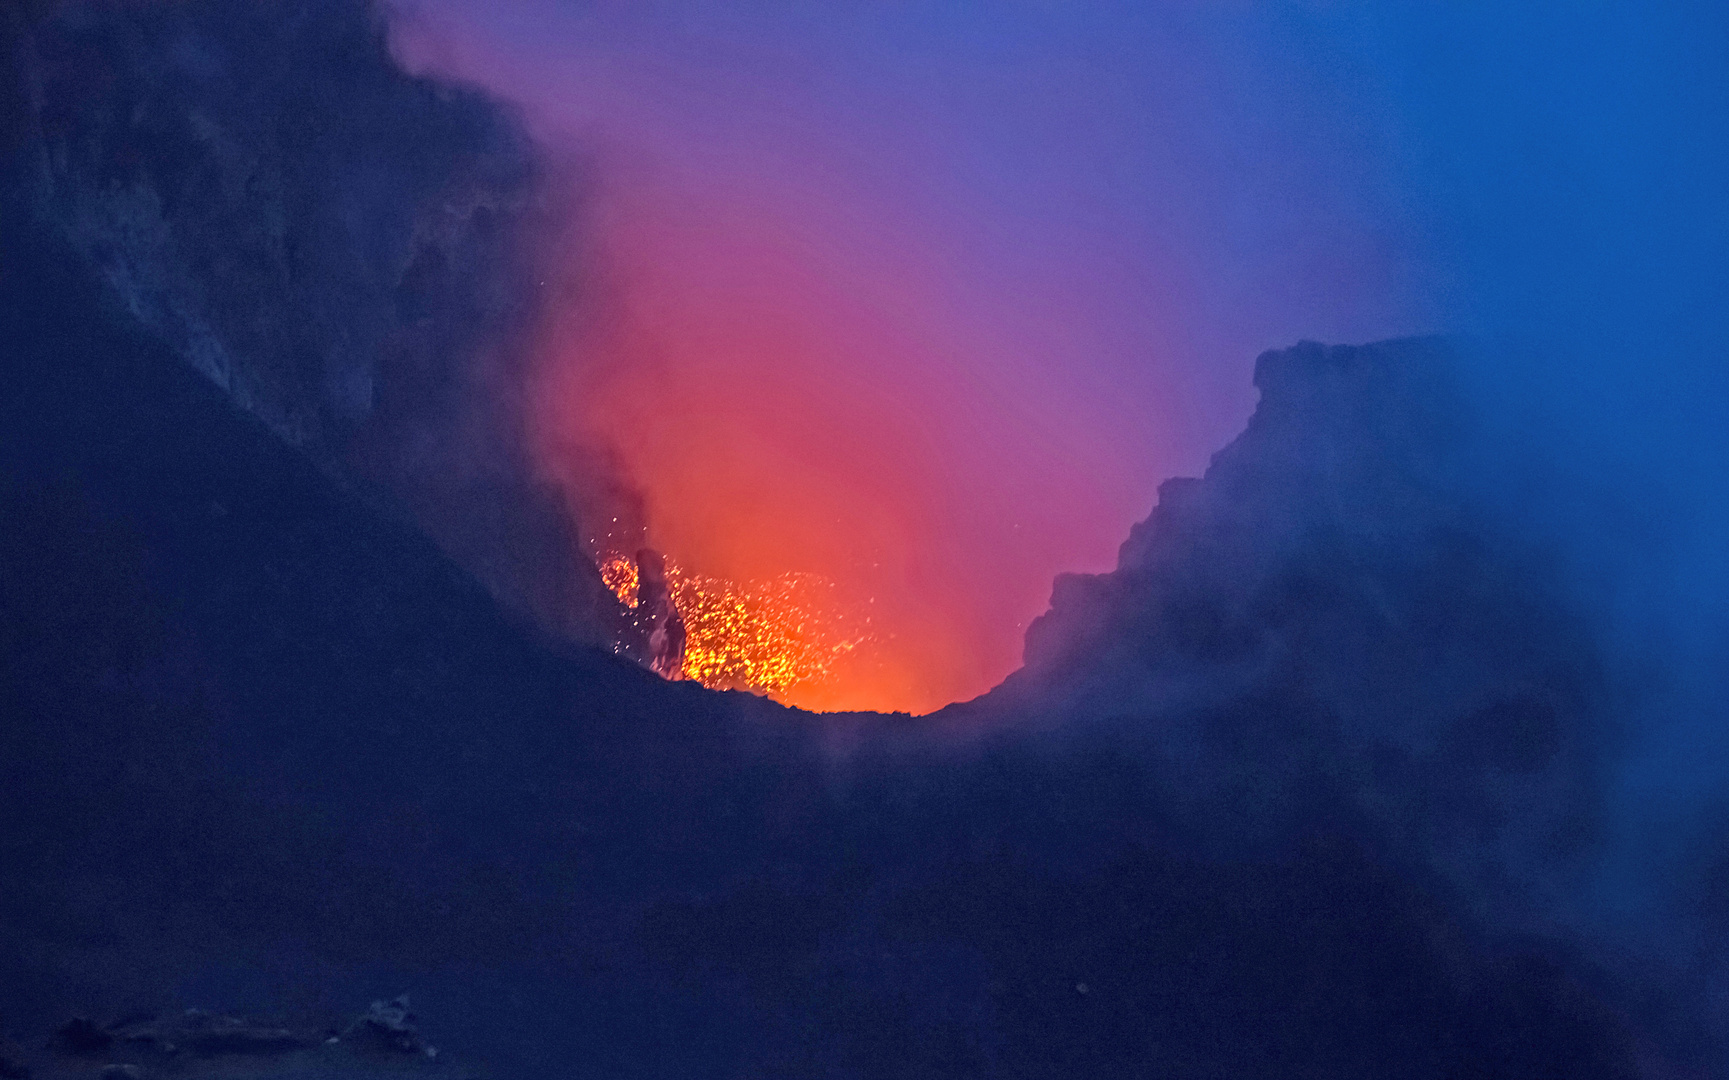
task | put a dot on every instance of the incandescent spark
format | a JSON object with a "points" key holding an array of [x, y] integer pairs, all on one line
{"points": [[767, 637]]}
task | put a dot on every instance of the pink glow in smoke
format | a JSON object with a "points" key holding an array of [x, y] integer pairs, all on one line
{"points": [[856, 327]]}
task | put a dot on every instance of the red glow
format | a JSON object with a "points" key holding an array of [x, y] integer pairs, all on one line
{"points": [[791, 404], [815, 351]]}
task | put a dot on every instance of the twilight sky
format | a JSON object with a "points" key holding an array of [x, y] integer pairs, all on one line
{"points": [[928, 298]]}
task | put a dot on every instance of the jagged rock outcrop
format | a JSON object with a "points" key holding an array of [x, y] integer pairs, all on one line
{"points": [[1330, 614], [262, 188], [347, 251]]}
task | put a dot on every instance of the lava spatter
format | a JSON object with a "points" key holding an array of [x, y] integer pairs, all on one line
{"points": [[769, 636]]}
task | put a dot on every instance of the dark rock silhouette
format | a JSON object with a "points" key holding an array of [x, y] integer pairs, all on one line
{"points": [[390, 1026], [82, 1038], [657, 630], [350, 254], [1330, 613]]}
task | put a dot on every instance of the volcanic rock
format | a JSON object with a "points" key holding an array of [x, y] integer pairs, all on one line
{"points": [[12, 1065], [388, 1025], [340, 248], [81, 1037], [204, 1035], [1329, 620]]}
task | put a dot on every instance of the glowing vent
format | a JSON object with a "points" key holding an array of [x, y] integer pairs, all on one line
{"points": [[768, 637]]}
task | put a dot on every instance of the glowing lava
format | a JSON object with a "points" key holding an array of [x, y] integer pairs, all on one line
{"points": [[775, 637], [619, 573]]}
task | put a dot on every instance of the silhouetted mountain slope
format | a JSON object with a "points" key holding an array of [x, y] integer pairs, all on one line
{"points": [[235, 698], [349, 253]]}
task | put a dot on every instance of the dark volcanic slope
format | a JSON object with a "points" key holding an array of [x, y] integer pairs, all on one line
{"points": [[265, 751], [239, 709], [353, 255]]}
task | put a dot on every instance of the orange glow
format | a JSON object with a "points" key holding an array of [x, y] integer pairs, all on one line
{"points": [[791, 397], [619, 573], [797, 326], [805, 431], [784, 637]]}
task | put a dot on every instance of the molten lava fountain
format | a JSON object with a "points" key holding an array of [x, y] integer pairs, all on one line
{"points": [[770, 637]]}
